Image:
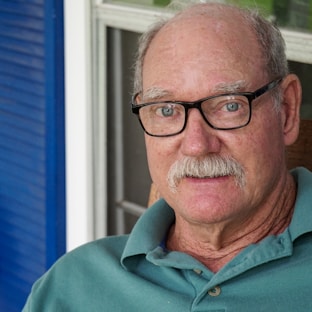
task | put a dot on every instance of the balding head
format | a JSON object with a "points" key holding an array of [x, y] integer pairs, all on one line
{"points": [[218, 16]]}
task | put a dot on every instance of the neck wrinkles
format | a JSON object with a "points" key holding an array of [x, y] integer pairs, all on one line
{"points": [[221, 245]]}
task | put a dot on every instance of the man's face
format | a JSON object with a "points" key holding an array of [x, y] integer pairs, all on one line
{"points": [[190, 60]]}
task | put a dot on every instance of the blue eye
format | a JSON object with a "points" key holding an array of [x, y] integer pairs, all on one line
{"points": [[232, 107], [167, 111]]}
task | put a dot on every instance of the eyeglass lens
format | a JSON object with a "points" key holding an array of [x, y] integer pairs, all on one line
{"points": [[221, 112]]}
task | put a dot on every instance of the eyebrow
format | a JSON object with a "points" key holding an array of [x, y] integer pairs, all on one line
{"points": [[155, 93], [233, 87]]}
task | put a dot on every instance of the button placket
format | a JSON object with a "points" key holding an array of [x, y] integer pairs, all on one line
{"points": [[197, 279]]}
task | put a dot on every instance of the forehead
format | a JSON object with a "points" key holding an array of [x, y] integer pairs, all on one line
{"points": [[157, 93], [217, 47], [207, 21]]}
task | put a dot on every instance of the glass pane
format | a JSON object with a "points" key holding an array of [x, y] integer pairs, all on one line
{"points": [[304, 71], [129, 220], [294, 14], [135, 181], [147, 2]]}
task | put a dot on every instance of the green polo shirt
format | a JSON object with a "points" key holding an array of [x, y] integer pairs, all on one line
{"points": [[136, 273]]}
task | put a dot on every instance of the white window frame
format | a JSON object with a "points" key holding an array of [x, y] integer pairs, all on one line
{"points": [[86, 148]]}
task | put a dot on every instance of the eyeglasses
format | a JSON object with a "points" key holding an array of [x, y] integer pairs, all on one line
{"points": [[222, 112]]}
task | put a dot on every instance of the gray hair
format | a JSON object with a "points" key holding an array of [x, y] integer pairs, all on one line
{"points": [[211, 166], [268, 35]]}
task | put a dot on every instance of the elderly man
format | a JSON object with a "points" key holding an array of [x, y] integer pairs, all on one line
{"points": [[233, 233]]}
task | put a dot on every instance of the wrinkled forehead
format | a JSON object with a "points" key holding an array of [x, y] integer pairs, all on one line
{"points": [[195, 47]]}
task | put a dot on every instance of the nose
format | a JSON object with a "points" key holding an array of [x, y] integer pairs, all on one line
{"points": [[198, 138]]}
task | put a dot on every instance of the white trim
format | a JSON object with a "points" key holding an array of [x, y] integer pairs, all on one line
{"points": [[99, 114], [298, 46], [79, 218], [128, 17], [138, 18]]}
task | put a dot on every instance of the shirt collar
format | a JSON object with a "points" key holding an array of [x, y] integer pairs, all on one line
{"points": [[149, 232], [301, 222]]}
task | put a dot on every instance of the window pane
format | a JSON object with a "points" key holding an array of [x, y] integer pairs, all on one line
{"points": [[304, 71], [147, 2], [294, 14], [127, 173]]}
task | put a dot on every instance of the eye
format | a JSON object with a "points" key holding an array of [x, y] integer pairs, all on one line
{"points": [[166, 110], [232, 106]]}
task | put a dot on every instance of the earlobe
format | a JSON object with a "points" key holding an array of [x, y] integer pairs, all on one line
{"points": [[291, 102]]}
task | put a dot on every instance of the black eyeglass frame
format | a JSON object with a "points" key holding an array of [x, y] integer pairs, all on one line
{"points": [[197, 104]]}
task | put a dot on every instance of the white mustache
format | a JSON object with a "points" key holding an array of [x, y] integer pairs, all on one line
{"points": [[210, 167]]}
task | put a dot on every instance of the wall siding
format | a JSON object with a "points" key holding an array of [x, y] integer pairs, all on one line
{"points": [[32, 178]]}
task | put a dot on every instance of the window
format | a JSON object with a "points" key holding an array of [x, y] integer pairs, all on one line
{"points": [[123, 185]]}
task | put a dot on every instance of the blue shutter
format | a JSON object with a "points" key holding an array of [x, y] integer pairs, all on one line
{"points": [[32, 191]]}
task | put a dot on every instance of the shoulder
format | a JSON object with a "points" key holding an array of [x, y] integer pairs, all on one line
{"points": [[111, 246], [76, 274], [108, 250]]}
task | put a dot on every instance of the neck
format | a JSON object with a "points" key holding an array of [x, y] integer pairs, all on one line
{"points": [[215, 245]]}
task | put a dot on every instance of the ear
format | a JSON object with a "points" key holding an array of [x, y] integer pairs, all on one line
{"points": [[290, 107]]}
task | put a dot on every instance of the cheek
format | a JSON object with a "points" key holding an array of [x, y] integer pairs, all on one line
{"points": [[158, 157], [154, 157], [263, 149]]}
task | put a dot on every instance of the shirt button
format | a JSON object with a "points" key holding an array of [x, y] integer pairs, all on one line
{"points": [[198, 271], [215, 291]]}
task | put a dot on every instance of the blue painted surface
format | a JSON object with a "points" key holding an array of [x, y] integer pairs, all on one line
{"points": [[32, 148]]}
